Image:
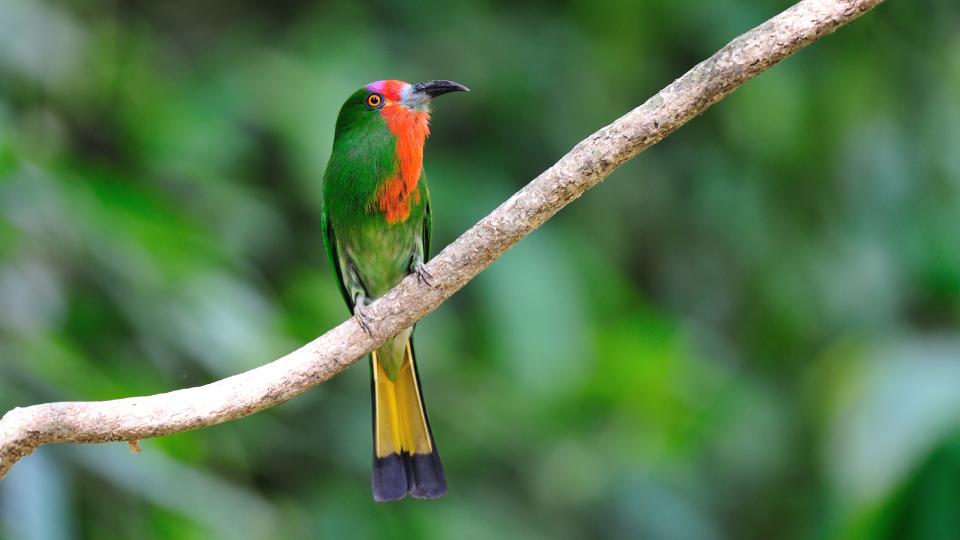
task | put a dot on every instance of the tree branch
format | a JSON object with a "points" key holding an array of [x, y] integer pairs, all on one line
{"points": [[24, 429]]}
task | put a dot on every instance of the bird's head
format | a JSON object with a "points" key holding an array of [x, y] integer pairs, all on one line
{"points": [[403, 106]]}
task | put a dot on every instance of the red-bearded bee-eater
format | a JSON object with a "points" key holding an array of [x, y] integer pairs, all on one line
{"points": [[376, 219]]}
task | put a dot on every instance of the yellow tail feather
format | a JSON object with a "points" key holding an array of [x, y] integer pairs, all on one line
{"points": [[400, 420], [406, 462]]}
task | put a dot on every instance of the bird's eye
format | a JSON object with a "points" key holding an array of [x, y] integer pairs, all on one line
{"points": [[374, 101]]}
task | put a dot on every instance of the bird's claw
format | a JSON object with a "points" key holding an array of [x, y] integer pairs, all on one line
{"points": [[363, 319], [423, 276]]}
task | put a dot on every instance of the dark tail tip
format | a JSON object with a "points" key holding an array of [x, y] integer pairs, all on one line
{"points": [[420, 475], [429, 482], [389, 478]]}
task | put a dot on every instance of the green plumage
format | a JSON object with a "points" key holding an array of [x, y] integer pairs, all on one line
{"points": [[376, 220], [370, 255]]}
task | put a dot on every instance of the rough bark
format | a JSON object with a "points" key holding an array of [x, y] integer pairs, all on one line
{"points": [[130, 419]]}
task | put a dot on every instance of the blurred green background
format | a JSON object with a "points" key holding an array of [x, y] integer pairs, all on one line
{"points": [[750, 331]]}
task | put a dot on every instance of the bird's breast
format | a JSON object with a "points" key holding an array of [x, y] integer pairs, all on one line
{"points": [[382, 254], [399, 192]]}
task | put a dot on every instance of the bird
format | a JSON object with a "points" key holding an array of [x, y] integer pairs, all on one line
{"points": [[376, 229]]}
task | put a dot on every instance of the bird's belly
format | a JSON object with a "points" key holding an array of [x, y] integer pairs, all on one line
{"points": [[382, 257]]}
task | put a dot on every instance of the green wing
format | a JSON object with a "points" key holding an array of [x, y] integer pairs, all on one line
{"points": [[427, 224], [330, 243]]}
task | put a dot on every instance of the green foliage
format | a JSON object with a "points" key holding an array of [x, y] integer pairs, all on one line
{"points": [[750, 331]]}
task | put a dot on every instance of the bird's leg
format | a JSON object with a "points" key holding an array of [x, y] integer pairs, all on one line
{"points": [[360, 300], [423, 276], [360, 312]]}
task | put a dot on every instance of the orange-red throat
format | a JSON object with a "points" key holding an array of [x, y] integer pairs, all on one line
{"points": [[408, 118]]}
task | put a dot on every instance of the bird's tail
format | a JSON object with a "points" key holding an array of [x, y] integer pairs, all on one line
{"points": [[405, 459]]}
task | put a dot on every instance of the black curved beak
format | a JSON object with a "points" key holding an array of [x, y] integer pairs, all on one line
{"points": [[433, 89]]}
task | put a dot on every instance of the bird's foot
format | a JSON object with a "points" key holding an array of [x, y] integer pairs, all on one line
{"points": [[360, 312], [423, 276]]}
